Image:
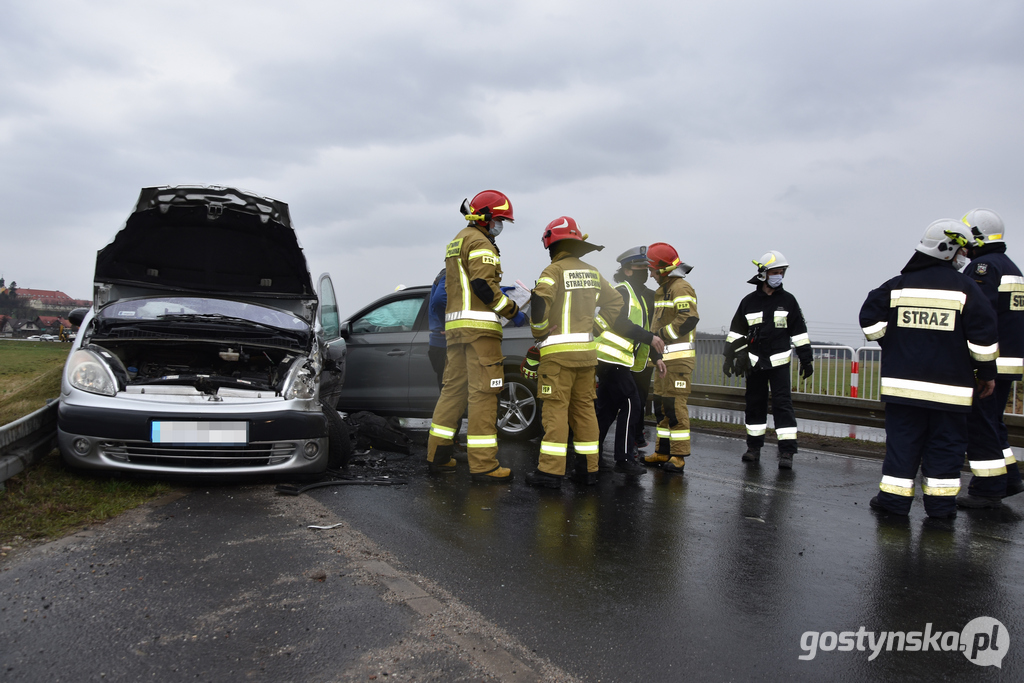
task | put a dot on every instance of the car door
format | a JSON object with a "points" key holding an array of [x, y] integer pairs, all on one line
{"points": [[379, 348], [334, 347]]}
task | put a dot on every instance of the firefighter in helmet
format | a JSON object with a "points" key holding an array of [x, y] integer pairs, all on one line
{"points": [[767, 321], [474, 374], [565, 323], [675, 321]]}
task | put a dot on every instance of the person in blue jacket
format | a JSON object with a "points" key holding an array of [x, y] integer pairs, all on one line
{"points": [[995, 476], [437, 351], [939, 345]]}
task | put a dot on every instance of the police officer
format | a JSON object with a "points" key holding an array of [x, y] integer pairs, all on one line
{"points": [[564, 322], [474, 373], [675, 321], [618, 394], [938, 333], [993, 465], [767, 321]]}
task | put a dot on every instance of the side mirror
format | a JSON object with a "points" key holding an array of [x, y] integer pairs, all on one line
{"points": [[76, 316], [346, 330]]}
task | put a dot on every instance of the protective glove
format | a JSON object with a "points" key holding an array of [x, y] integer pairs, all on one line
{"points": [[727, 367], [741, 365], [519, 319], [530, 364], [506, 290], [806, 369]]}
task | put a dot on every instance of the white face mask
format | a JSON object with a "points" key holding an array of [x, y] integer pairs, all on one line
{"points": [[774, 281], [960, 261], [496, 227]]}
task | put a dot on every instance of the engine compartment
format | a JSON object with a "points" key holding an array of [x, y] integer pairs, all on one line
{"points": [[206, 366]]}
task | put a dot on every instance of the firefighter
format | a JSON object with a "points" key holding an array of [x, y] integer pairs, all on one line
{"points": [[675, 321], [618, 395], [767, 321], [993, 465], [564, 321], [938, 336], [474, 373]]}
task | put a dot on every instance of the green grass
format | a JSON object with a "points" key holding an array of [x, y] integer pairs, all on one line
{"points": [[29, 375], [48, 500]]}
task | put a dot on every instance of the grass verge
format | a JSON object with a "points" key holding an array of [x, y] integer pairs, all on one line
{"points": [[49, 500], [29, 375]]}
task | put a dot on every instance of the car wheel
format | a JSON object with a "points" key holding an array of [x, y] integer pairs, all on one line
{"points": [[518, 408], [339, 447]]}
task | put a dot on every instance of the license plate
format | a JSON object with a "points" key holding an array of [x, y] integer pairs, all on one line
{"points": [[195, 433]]}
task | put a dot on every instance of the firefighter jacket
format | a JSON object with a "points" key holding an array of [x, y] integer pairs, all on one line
{"points": [[764, 327], [564, 311], [635, 349], [1001, 283], [472, 284], [675, 318], [936, 329]]}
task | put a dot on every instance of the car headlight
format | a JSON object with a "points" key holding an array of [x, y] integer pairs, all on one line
{"points": [[88, 372], [303, 378]]}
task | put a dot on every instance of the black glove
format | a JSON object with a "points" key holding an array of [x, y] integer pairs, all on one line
{"points": [[742, 364], [806, 369], [727, 367]]}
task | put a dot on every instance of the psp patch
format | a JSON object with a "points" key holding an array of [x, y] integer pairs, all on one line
{"points": [[495, 383], [545, 389], [680, 384], [981, 268], [926, 318]]}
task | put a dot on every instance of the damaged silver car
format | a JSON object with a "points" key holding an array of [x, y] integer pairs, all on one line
{"points": [[207, 349]]}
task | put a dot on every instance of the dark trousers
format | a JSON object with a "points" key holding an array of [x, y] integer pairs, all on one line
{"points": [[438, 356], [617, 395], [758, 384], [642, 380], [934, 441], [988, 449]]}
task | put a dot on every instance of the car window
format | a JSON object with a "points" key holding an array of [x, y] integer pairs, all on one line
{"points": [[165, 308], [394, 316], [329, 319]]}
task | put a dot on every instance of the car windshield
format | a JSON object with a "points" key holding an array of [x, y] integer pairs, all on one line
{"points": [[181, 307]]}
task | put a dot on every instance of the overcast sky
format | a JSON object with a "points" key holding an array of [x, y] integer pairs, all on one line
{"points": [[833, 132]]}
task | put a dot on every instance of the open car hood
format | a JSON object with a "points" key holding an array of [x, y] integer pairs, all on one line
{"points": [[212, 240]]}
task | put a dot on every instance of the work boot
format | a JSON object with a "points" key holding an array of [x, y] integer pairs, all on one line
{"points": [[641, 441], [945, 517], [675, 465], [543, 480], [499, 475], [1013, 488], [878, 507], [785, 461], [629, 466], [654, 460], [967, 500], [605, 465], [443, 462], [751, 455]]}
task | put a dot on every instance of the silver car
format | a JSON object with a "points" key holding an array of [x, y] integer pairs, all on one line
{"points": [[207, 349], [389, 372]]}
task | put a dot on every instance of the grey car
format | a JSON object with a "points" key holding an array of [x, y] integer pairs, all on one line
{"points": [[207, 350], [389, 372]]}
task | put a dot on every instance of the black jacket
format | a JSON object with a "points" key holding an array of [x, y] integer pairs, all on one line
{"points": [[1001, 281], [765, 326]]}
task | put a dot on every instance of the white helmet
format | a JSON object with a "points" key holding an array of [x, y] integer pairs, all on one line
{"points": [[772, 259], [985, 225], [943, 238]]}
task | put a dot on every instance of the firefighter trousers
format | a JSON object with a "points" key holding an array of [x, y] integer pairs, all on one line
{"points": [[618, 401], [992, 462], [568, 395], [935, 441], [642, 380], [759, 382], [474, 376], [671, 392]]}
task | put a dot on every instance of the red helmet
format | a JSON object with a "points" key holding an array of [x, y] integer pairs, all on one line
{"points": [[487, 205], [662, 258], [562, 228]]}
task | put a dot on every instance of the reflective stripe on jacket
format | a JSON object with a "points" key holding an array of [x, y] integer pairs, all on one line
{"points": [[765, 326], [675, 302], [1001, 282], [473, 256]]}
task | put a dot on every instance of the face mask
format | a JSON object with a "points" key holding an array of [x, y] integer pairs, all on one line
{"points": [[774, 281], [960, 261], [496, 227], [638, 277]]}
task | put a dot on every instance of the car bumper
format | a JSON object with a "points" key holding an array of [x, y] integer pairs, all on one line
{"points": [[283, 442]]}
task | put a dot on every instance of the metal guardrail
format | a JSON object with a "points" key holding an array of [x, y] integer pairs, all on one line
{"points": [[26, 440]]}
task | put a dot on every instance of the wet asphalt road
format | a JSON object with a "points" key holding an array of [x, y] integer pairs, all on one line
{"points": [[717, 574], [730, 572]]}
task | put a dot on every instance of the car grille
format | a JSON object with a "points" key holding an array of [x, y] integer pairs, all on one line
{"points": [[198, 457]]}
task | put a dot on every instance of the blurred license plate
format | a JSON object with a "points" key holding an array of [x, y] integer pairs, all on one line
{"points": [[191, 433]]}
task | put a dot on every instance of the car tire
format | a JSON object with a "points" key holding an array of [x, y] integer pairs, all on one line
{"points": [[339, 441], [518, 408]]}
